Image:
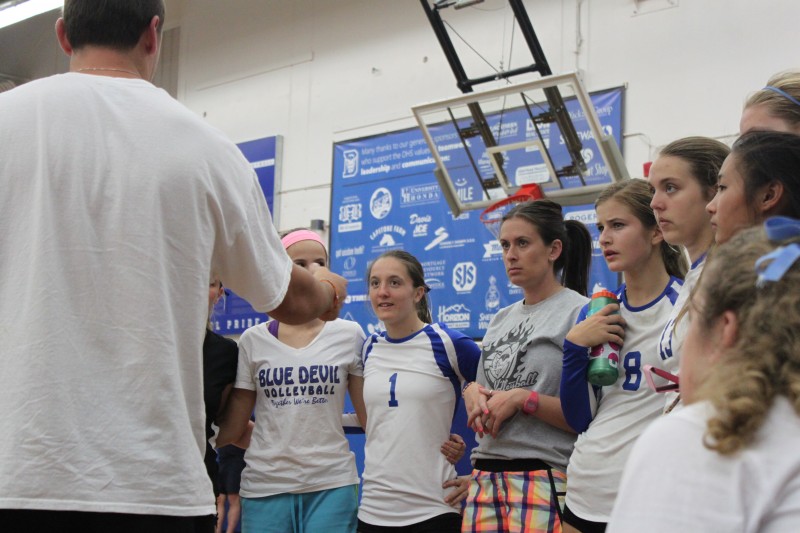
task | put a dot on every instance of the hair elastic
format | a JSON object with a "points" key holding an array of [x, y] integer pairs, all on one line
{"points": [[301, 235], [782, 93], [773, 266], [782, 228]]}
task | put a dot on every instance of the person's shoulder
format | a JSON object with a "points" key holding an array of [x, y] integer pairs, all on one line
{"points": [[344, 333], [508, 310], [462, 342], [565, 303], [255, 333], [782, 421], [682, 427], [32, 90], [375, 338], [571, 297], [212, 337], [225, 341], [347, 325], [673, 290]]}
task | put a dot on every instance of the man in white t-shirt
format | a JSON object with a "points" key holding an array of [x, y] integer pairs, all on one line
{"points": [[117, 204]]}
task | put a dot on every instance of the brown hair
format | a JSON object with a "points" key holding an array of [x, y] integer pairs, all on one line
{"points": [[704, 156], [636, 195], [778, 105], [576, 253], [764, 157], [116, 24], [417, 275], [765, 359]]}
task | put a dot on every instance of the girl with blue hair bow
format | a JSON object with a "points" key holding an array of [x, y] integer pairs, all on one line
{"points": [[729, 459]]}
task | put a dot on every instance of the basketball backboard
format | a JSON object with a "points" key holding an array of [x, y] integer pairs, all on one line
{"points": [[546, 132]]}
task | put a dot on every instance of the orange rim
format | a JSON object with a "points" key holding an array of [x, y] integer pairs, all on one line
{"points": [[528, 192]]}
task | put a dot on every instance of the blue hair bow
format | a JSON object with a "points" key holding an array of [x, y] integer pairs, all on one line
{"points": [[773, 266]]}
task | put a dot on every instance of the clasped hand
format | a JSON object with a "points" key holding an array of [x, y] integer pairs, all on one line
{"points": [[487, 409]]}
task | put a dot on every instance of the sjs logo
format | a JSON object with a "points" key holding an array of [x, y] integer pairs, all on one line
{"points": [[465, 276], [380, 204], [350, 163]]}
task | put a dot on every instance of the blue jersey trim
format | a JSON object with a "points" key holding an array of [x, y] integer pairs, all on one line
{"points": [[668, 291], [442, 361], [699, 261], [386, 336], [366, 348]]}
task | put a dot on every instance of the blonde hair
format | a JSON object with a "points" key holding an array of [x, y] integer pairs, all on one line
{"points": [[764, 362], [778, 105]]}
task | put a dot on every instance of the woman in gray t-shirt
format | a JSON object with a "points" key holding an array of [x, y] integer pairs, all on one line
{"points": [[524, 442]]}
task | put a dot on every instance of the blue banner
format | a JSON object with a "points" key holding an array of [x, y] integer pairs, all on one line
{"points": [[385, 196], [232, 314]]}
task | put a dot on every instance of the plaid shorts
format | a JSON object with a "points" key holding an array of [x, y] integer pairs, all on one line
{"points": [[526, 502]]}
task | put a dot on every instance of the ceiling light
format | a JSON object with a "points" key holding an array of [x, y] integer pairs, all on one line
{"points": [[25, 10]]}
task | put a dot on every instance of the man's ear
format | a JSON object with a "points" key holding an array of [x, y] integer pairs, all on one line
{"points": [[151, 36], [61, 35]]}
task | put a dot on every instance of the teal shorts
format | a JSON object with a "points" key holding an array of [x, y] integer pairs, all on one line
{"points": [[331, 511]]}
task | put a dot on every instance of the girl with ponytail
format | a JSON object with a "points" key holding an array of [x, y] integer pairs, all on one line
{"points": [[524, 441]]}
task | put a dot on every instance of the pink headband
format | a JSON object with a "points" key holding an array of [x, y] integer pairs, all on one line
{"points": [[301, 235]]}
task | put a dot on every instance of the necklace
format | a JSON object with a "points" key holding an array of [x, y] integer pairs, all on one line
{"points": [[110, 69]]}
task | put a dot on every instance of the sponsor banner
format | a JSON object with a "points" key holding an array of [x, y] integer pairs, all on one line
{"points": [[386, 197]]}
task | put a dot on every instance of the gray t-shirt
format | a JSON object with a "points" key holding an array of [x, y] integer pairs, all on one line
{"points": [[523, 349]]}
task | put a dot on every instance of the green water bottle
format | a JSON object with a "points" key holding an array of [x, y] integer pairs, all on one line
{"points": [[604, 358]]}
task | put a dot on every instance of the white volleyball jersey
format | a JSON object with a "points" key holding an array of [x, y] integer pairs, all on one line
{"points": [[624, 410], [673, 334], [411, 387], [298, 442]]}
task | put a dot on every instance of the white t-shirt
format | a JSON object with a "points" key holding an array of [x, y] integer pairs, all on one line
{"points": [[672, 482], [117, 204], [624, 410], [298, 442], [670, 345], [411, 387]]}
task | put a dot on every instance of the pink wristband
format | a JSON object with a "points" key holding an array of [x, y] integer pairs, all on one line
{"points": [[531, 405]]}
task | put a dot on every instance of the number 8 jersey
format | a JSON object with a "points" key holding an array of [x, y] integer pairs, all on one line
{"points": [[611, 418], [411, 386]]}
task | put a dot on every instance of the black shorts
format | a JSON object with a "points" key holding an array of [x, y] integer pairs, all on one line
{"points": [[445, 523], [584, 526], [82, 522], [231, 464]]}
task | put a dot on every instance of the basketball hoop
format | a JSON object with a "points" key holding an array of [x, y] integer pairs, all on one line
{"points": [[492, 216]]}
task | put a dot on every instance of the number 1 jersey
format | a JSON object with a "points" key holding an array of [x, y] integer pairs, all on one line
{"points": [[411, 386]]}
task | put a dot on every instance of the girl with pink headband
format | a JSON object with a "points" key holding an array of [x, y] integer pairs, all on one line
{"points": [[302, 235], [300, 473]]}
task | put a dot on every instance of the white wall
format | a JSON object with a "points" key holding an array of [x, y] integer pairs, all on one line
{"points": [[320, 71]]}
